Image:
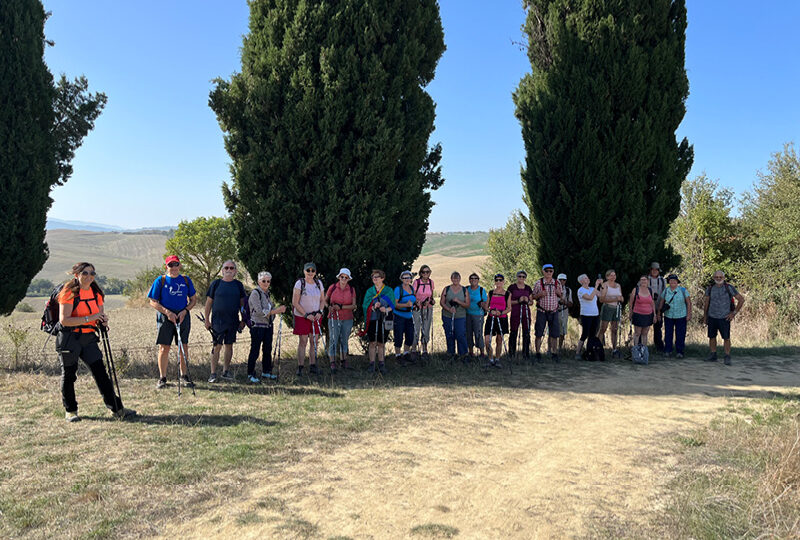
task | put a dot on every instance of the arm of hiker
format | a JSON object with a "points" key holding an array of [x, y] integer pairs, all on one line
{"points": [[185, 313], [444, 305], [688, 307], [705, 309], [207, 311], [164, 311], [508, 306], [465, 303], [739, 303], [351, 307]]}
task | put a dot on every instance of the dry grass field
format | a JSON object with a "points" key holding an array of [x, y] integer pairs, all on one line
{"points": [[676, 449]]}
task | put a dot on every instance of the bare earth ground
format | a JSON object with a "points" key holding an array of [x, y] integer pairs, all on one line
{"points": [[569, 459]]}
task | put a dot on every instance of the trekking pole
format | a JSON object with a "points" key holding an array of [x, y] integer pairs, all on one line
{"points": [[182, 352], [112, 370], [491, 335], [505, 350], [314, 338], [277, 349]]}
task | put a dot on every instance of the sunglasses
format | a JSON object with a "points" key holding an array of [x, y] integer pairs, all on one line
{"points": [[88, 273], [425, 272], [549, 271], [522, 275], [473, 279], [229, 268], [343, 277], [376, 277], [496, 280], [265, 280], [406, 277], [311, 271], [173, 264]]}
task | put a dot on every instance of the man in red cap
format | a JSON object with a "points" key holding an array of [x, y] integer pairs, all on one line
{"points": [[172, 296]]}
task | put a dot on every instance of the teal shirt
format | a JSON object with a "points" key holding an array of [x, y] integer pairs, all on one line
{"points": [[476, 296], [676, 301]]}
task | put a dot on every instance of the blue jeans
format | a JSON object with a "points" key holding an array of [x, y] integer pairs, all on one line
{"points": [[679, 327], [455, 332], [339, 331]]}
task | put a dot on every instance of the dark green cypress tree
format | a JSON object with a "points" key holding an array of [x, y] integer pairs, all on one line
{"points": [[327, 126], [599, 113], [41, 125]]}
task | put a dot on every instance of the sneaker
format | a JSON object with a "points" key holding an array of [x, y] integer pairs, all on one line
{"points": [[162, 383], [253, 379], [615, 353], [333, 368], [727, 360], [124, 413], [227, 375], [538, 357], [465, 359], [425, 356], [269, 376], [212, 378], [187, 382], [679, 355], [712, 357], [72, 417], [371, 367], [497, 364], [299, 370], [382, 368], [312, 369]]}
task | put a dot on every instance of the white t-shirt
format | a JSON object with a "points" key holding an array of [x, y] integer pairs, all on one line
{"points": [[588, 307], [311, 297]]}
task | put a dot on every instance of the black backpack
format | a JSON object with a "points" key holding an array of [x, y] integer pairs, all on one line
{"points": [[594, 350], [50, 317]]}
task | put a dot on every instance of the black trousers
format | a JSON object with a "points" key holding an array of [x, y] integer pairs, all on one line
{"points": [[260, 337], [72, 346], [657, 339]]}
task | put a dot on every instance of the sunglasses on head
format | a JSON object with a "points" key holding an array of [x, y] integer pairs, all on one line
{"points": [[88, 273], [173, 264]]}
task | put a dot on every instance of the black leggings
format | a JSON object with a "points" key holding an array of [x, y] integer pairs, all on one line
{"points": [[589, 326], [71, 346], [260, 336]]}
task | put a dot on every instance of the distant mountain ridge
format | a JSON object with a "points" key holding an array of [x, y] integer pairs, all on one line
{"points": [[61, 224]]}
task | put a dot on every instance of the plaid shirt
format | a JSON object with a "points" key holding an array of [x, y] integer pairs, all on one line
{"points": [[552, 288]]}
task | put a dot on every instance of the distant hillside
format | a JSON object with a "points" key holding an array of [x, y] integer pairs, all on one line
{"points": [[114, 254], [122, 254], [456, 244]]}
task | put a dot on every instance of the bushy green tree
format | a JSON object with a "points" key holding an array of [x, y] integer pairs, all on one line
{"points": [[598, 112], [41, 126], [139, 285], [40, 287], [771, 214], [202, 245], [705, 234], [327, 126], [510, 249]]}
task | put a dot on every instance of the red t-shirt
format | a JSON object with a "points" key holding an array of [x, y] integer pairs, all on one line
{"points": [[87, 306], [344, 297]]}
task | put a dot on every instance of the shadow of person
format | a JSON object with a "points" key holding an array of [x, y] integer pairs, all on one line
{"points": [[191, 420]]}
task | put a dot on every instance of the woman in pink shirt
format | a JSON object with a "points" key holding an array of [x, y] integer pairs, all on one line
{"points": [[341, 300], [643, 311], [423, 310]]}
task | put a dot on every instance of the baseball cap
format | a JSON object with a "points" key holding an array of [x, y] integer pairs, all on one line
{"points": [[545, 267], [171, 258], [309, 265]]}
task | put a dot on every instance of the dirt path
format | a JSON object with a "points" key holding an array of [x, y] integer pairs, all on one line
{"points": [[557, 460]]}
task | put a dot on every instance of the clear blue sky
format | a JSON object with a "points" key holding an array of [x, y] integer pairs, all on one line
{"points": [[156, 155]]}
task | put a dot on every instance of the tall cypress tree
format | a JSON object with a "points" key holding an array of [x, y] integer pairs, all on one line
{"points": [[41, 125], [327, 126], [599, 111]]}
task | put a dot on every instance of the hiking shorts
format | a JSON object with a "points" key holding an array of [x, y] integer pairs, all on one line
{"points": [[609, 313], [167, 333], [302, 326], [549, 318], [563, 320], [495, 326], [224, 336], [723, 326], [377, 333], [642, 321]]}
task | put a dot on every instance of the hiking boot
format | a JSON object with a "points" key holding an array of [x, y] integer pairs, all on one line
{"points": [[253, 379], [382, 368], [124, 413], [212, 378], [465, 359], [371, 367], [712, 357], [496, 363], [727, 360], [346, 365], [616, 354], [162, 383], [555, 358], [227, 375], [187, 382], [679, 355], [299, 370], [538, 357], [72, 416], [333, 368], [312, 369]]}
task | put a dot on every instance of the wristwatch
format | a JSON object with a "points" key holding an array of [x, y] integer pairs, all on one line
{"points": [[86, 318]]}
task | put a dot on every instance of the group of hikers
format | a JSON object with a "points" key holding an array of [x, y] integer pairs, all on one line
{"points": [[472, 318]]}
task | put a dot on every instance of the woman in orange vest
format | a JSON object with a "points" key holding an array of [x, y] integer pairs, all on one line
{"points": [[80, 309]]}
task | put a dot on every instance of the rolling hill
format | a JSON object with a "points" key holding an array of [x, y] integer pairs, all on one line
{"points": [[123, 254]]}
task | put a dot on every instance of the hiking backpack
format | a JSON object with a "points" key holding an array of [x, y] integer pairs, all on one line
{"points": [[594, 350], [641, 354], [50, 316]]}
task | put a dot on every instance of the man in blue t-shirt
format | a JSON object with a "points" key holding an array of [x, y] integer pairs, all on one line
{"points": [[172, 296], [224, 302]]}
